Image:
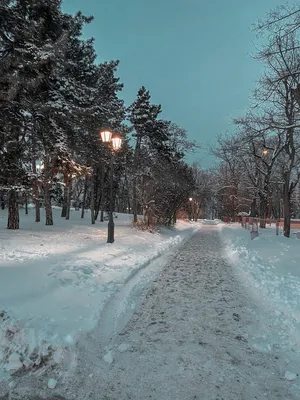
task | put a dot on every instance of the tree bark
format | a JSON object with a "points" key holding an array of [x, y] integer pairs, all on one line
{"points": [[134, 200], [36, 195], [98, 205], [26, 204], [129, 206], [92, 206], [134, 181], [99, 191], [263, 211], [253, 211], [65, 202], [2, 202], [46, 189], [68, 203], [84, 196], [48, 206], [13, 210], [286, 209]]}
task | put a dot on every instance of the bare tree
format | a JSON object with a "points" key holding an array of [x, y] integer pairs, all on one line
{"points": [[230, 173], [283, 21], [284, 72]]}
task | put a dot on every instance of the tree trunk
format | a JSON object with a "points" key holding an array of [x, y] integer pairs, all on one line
{"points": [[64, 209], [286, 209], [269, 205], [26, 204], [134, 181], [84, 196], [37, 202], [129, 206], [13, 210], [134, 200], [96, 198], [97, 211], [196, 210], [69, 195], [48, 207], [253, 210], [263, 211], [2, 202], [82, 209], [98, 206], [92, 206], [36, 195]]}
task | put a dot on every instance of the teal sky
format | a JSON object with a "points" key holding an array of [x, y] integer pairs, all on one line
{"points": [[193, 55]]}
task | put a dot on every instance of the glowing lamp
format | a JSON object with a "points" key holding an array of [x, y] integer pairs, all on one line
{"points": [[116, 142], [106, 136]]}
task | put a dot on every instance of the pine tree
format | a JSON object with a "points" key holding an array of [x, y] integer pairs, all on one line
{"points": [[143, 116], [48, 86], [109, 113], [23, 65]]}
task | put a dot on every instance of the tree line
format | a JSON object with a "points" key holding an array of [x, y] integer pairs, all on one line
{"points": [[55, 98], [259, 168]]}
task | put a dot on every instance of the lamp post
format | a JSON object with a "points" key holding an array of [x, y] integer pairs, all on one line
{"points": [[116, 142]]}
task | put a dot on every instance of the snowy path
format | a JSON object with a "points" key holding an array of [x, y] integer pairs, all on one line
{"points": [[190, 339]]}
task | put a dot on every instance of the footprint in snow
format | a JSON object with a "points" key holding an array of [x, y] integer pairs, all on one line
{"points": [[236, 317]]}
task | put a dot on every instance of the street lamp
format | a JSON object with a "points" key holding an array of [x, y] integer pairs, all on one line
{"points": [[116, 141]]}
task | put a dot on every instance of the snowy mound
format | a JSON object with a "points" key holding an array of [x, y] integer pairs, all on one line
{"points": [[22, 347], [210, 221]]}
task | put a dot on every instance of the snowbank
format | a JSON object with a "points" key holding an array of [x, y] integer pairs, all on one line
{"points": [[211, 221], [55, 280], [269, 268]]}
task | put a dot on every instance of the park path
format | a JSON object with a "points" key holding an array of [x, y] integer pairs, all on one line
{"points": [[191, 338]]}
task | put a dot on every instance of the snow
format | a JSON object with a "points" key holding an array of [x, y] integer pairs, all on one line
{"points": [[55, 281], [243, 214], [221, 318], [210, 221], [269, 269], [14, 363], [290, 376], [198, 333], [52, 383], [124, 347], [109, 357], [270, 264]]}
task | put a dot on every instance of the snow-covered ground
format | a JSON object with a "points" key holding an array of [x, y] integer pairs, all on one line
{"points": [[55, 281], [269, 269], [198, 334]]}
